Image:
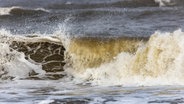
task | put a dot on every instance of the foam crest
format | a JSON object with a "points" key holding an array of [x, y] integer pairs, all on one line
{"points": [[170, 2], [158, 62], [5, 11]]}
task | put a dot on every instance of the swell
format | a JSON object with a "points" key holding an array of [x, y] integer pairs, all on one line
{"points": [[22, 11], [119, 4]]}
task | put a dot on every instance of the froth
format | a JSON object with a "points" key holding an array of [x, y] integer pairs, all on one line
{"points": [[14, 65], [5, 11], [13, 62], [169, 2]]}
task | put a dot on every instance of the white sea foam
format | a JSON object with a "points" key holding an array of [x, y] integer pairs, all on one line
{"points": [[6, 10], [12, 62], [165, 2], [46, 102]]}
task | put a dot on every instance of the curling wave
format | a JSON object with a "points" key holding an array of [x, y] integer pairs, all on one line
{"points": [[157, 60], [24, 57]]}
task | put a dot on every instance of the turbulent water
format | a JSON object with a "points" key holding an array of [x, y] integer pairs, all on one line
{"points": [[91, 51]]}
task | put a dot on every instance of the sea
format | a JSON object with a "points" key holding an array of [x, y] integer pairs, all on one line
{"points": [[91, 51]]}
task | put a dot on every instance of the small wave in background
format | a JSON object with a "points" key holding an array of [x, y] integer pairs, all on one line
{"points": [[21, 11]]}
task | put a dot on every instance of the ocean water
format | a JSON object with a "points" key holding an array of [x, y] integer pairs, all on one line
{"points": [[91, 52]]}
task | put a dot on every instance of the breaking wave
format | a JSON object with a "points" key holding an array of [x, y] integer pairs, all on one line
{"points": [[26, 57], [21, 11], [157, 61], [128, 61]]}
